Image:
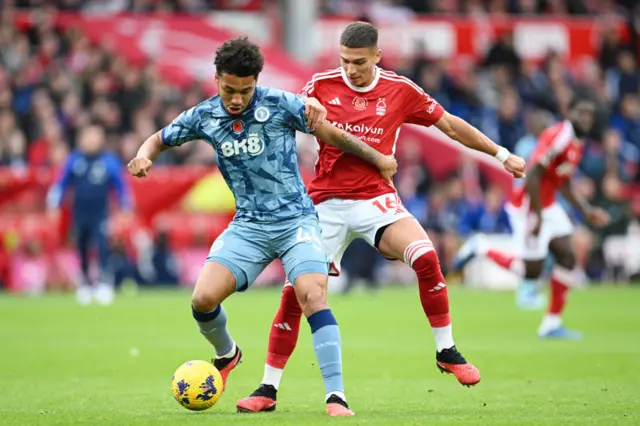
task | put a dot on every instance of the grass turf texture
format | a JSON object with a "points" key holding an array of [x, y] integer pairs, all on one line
{"points": [[65, 364]]}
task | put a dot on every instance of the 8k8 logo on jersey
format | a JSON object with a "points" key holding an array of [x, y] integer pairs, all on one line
{"points": [[252, 145]]}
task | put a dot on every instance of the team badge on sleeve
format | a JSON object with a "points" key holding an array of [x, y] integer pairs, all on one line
{"points": [[261, 114]]}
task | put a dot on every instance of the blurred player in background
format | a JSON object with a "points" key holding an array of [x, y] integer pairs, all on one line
{"points": [[537, 120], [252, 129], [540, 224], [354, 202], [93, 172]]}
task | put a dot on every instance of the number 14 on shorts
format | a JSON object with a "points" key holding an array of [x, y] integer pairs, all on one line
{"points": [[391, 204]]}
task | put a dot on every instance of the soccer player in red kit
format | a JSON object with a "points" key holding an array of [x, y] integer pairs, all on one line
{"points": [[540, 224], [353, 202]]}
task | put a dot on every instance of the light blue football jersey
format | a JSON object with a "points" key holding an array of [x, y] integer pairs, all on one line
{"points": [[256, 151]]}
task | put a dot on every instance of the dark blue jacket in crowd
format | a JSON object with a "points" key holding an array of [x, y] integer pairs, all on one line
{"points": [[93, 178], [479, 219]]}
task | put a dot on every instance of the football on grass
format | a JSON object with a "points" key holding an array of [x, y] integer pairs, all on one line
{"points": [[197, 385]]}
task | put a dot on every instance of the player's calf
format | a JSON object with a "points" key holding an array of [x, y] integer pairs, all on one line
{"points": [[562, 279], [421, 256], [282, 342], [551, 327], [311, 290], [214, 285], [283, 335]]}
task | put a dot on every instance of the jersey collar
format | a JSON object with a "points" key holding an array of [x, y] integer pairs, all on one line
{"points": [[221, 111], [370, 87]]}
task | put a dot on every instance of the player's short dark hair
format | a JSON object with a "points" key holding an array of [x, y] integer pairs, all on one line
{"points": [[359, 34], [239, 57]]}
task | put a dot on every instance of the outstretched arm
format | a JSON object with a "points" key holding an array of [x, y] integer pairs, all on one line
{"points": [[183, 129], [147, 154], [459, 130], [152, 147], [351, 144]]}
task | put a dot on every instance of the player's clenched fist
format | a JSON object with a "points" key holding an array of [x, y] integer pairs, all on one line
{"points": [[139, 166], [516, 166], [388, 167], [314, 112]]}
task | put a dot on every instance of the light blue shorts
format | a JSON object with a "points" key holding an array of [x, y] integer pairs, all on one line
{"points": [[246, 248]]}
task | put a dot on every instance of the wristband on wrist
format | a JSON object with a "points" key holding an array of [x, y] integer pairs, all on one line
{"points": [[502, 154]]}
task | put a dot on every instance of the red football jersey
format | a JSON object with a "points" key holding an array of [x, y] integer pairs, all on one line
{"points": [[374, 114], [559, 151]]}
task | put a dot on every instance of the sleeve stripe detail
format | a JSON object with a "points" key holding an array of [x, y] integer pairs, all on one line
{"points": [[400, 79], [320, 76]]}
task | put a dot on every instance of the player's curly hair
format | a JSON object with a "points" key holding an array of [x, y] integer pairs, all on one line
{"points": [[359, 34], [239, 57]]}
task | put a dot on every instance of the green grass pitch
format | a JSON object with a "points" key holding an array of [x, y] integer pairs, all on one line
{"points": [[61, 364]]}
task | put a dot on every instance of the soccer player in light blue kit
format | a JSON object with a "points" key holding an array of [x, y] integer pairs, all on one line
{"points": [[252, 129]]}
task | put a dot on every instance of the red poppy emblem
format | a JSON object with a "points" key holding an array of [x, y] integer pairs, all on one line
{"points": [[360, 103], [238, 127]]}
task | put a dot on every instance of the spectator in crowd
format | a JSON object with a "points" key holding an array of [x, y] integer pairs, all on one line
{"points": [[627, 120], [487, 217], [503, 53]]}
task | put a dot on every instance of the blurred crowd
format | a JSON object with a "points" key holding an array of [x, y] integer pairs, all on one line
{"points": [[400, 9], [387, 9], [142, 6], [54, 83]]}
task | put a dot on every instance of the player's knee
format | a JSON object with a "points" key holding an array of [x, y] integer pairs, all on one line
{"points": [[204, 302], [311, 290], [426, 264], [315, 301]]}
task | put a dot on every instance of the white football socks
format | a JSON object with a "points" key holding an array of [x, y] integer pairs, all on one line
{"points": [[272, 376], [444, 337]]}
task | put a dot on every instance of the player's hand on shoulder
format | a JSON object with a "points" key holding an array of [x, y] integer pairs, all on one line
{"points": [[516, 166], [314, 112], [597, 216], [139, 166], [388, 167]]}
